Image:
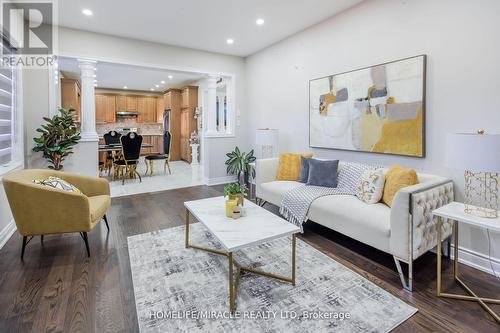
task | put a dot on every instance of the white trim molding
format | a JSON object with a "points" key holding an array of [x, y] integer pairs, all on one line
{"points": [[7, 232], [219, 180], [477, 260]]}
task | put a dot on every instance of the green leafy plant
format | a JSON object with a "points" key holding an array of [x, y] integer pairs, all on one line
{"points": [[235, 188], [238, 163], [58, 136]]}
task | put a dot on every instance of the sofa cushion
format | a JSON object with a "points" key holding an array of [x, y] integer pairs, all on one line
{"points": [[369, 224], [289, 166], [273, 192], [371, 186], [304, 169], [323, 173], [397, 178], [98, 205]]}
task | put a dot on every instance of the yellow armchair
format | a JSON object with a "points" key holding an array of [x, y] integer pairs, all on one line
{"points": [[42, 210]]}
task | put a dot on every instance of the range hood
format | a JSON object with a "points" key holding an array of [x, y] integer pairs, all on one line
{"points": [[126, 114]]}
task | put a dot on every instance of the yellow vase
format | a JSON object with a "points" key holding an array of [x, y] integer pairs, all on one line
{"points": [[238, 197], [230, 204]]}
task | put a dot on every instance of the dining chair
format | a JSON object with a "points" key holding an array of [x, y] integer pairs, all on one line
{"points": [[111, 138], [149, 159], [131, 151]]}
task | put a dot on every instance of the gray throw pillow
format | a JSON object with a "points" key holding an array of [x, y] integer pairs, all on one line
{"points": [[304, 169], [323, 173]]}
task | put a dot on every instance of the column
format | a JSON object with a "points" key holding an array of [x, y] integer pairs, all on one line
{"points": [[209, 109], [85, 159], [87, 116]]}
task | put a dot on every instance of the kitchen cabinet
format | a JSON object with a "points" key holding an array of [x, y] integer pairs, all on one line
{"points": [[131, 103], [105, 108], [146, 139], [172, 101], [71, 96], [121, 103], [157, 142], [146, 107], [189, 102], [160, 109]]}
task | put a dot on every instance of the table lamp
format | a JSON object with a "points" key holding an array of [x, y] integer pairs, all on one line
{"points": [[479, 155], [266, 143]]}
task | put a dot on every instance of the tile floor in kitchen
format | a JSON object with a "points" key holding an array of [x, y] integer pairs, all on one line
{"points": [[183, 175]]}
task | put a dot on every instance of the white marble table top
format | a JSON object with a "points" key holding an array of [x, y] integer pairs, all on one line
{"points": [[455, 211], [258, 226]]}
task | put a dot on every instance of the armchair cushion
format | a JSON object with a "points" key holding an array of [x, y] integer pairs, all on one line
{"points": [[98, 206], [57, 183]]}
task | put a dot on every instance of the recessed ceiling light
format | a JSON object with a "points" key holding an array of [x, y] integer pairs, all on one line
{"points": [[87, 12], [229, 41], [152, 89], [95, 75], [162, 82], [125, 87], [170, 77], [95, 84], [157, 85], [259, 21]]}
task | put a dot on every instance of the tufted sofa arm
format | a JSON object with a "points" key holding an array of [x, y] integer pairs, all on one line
{"points": [[413, 227]]}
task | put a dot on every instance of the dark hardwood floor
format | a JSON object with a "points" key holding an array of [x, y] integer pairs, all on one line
{"points": [[59, 289]]}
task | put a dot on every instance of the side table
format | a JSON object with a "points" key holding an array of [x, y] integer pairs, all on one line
{"points": [[455, 211]]}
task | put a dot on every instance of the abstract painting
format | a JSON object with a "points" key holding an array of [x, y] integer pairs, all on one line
{"points": [[378, 109]]}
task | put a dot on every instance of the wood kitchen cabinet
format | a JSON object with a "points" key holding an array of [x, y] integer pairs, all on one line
{"points": [[121, 103], [189, 102], [105, 107], [131, 103], [71, 96], [172, 102], [146, 139], [146, 107], [160, 109]]}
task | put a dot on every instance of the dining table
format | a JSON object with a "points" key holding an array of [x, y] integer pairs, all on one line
{"points": [[118, 147]]}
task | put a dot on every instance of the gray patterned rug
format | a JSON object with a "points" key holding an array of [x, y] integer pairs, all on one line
{"points": [[186, 290]]}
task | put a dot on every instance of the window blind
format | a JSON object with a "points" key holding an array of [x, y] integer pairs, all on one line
{"points": [[7, 107]]}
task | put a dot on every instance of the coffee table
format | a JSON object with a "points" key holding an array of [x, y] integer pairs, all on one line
{"points": [[257, 227]]}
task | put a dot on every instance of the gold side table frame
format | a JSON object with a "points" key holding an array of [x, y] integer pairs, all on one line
{"points": [[234, 283], [472, 295]]}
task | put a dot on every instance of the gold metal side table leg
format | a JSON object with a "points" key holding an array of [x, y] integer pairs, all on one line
{"points": [[473, 296]]}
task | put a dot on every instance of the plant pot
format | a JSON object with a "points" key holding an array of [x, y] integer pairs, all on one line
{"points": [[238, 197]]}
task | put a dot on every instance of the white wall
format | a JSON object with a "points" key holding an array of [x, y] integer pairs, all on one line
{"points": [[460, 38]]}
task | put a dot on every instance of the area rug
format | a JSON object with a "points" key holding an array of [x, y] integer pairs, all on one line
{"points": [[186, 290]]}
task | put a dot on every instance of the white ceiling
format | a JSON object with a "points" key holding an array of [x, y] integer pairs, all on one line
{"points": [[115, 76], [201, 24]]}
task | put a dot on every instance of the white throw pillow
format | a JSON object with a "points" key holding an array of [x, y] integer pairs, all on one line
{"points": [[371, 186]]}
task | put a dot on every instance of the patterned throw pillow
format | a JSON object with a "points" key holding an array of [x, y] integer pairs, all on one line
{"points": [[349, 175], [371, 186], [289, 166], [57, 183]]}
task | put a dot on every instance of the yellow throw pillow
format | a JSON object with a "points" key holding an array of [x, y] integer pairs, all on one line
{"points": [[396, 179], [289, 166]]}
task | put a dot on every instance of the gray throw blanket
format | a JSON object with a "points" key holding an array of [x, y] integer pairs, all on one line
{"points": [[296, 202]]}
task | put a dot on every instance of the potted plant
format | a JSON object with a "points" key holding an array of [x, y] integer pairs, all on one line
{"points": [[236, 191], [238, 163], [58, 136]]}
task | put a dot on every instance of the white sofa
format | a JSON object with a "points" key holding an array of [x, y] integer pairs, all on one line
{"points": [[406, 230]]}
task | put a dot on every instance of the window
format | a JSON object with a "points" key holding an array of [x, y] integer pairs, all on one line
{"points": [[218, 101], [8, 113]]}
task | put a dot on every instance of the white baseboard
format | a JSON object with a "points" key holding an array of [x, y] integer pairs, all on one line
{"points": [[220, 180], [7, 232], [477, 260]]}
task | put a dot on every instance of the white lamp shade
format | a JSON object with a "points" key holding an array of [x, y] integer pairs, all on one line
{"points": [[474, 152], [266, 141]]}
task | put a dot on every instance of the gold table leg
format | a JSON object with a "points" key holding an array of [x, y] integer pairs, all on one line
{"points": [[233, 284], [473, 296]]}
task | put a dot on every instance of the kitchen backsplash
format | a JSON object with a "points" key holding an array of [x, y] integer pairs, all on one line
{"points": [[145, 129]]}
